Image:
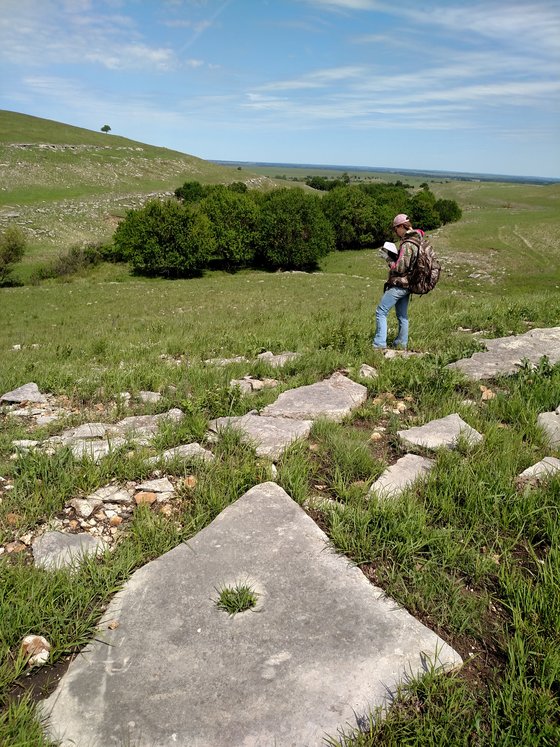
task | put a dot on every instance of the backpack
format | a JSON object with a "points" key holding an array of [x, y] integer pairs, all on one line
{"points": [[425, 269]]}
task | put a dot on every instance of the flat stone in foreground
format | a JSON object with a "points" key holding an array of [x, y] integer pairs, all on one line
{"points": [[443, 432], [60, 549], [26, 393], [505, 354], [550, 423], [321, 647], [270, 436], [333, 398], [401, 476]]}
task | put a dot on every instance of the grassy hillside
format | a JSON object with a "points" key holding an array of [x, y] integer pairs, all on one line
{"points": [[66, 184]]}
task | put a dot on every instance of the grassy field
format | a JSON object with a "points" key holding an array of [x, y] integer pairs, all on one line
{"points": [[468, 553]]}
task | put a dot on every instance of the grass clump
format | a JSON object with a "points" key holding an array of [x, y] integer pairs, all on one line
{"points": [[236, 599]]}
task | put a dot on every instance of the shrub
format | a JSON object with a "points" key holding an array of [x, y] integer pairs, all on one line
{"points": [[12, 249], [423, 212], [191, 192], [448, 211], [234, 219], [166, 239], [355, 216], [294, 233], [75, 259], [237, 187]]}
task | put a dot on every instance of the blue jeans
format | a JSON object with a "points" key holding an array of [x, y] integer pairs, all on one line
{"points": [[399, 298]]}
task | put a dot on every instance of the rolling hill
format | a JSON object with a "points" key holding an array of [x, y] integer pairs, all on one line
{"points": [[65, 184]]}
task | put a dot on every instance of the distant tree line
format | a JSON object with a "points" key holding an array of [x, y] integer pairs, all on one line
{"points": [[231, 227]]}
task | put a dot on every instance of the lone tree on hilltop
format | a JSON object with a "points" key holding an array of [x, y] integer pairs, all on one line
{"points": [[105, 129]]}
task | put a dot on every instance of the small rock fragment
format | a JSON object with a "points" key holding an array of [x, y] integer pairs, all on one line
{"points": [[37, 648]]}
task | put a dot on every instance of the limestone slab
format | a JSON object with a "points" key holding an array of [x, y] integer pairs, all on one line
{"points": [[504, 355], [401, 476], [145, 425], [270, 435], [550, 423], [59, 549], [443, 432], [26, 393], [86, 430], [279, 360], [161, 485], [333, 399], [320, 649], [85, 448], [192, 451], [545, 468]]}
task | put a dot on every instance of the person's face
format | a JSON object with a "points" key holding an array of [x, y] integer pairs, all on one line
{"points": [[400, 231]]}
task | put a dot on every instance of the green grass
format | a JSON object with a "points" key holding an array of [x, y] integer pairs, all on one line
{"points": [[236, 599], [468, 553]]}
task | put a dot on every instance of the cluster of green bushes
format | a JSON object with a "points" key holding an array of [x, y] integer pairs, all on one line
{"points": [[230, 227], [77, 258]]}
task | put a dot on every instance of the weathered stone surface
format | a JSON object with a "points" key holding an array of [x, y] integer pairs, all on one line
{"points": [[26, 393], [279, 360], [84, 507], [86, 430], [58, 549], [401, 476], [550, 423], [442, 432], [320, 649], [112, 494], [192, 451], [248, 384], [144, 425], [96, 440], [367, 372], [541, 470], [270, 435], [150, 397], [162, 485], [24, 444], [94, 450], [226, 361], [333, 398], [505, 354]]}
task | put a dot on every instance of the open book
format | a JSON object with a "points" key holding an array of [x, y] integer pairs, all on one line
{"points": [[389, 251]]}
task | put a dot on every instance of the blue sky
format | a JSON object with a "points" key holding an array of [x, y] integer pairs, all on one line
{"points": [[420, 84]]}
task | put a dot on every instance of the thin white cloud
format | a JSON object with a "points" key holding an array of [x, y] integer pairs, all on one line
{"points": [[316, 79], [344, 4], [39, 34]]}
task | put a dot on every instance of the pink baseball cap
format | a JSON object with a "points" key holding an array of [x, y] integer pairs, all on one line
{"points": [[400, 219]]}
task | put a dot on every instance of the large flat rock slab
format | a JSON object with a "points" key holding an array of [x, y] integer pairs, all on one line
{"points": [[333, 399], [321, 647], [443, 432], [504, 355], [59, 549], [26, 393], [407, 470], [270, 436], [96, 440]]}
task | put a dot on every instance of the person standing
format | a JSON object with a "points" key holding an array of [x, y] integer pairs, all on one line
{"points": [[396, 293]]}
